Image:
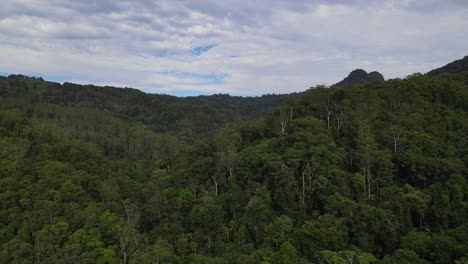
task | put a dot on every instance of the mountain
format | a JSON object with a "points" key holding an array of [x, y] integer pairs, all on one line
{"points": [[360, 76], [460, 65], [183, 116], [374, 173]]}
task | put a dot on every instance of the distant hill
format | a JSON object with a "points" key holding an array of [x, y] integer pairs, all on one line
{"points": [[453, 67], [372, 173], [184, 116], [359, 76]]}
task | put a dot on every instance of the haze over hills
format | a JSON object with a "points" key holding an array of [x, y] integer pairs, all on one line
{"points": [[368, 173]]}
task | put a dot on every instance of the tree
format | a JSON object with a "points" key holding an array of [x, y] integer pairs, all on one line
{"points": [[257, 214], [206, 218], [325, 233], [279, 231], [128, 241], [395, 136], [366, 153], [403, 256], [128, 233]]}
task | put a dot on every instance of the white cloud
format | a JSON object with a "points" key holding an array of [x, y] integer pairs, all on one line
{"points": [[261, 46]]}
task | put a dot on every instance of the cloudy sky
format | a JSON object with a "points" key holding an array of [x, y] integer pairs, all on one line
{"points": [[241, 47]]}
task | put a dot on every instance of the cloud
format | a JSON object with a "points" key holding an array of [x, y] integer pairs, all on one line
{"points": [[242, 48]]}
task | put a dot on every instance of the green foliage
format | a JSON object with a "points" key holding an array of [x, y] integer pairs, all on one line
{"points": [[403, 256], [371, 173]]}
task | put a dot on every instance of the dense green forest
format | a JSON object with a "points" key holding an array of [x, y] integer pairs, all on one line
{"points": [[186, 117], [371, 173]]}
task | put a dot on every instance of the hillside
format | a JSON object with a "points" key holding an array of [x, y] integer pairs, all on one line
{"points": [[374, 173], [457, 66], [183, 116]]}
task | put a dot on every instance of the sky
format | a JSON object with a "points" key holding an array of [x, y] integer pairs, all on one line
{"points": [[240, 47]]}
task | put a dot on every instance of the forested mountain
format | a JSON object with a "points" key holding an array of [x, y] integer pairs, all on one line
{"points": [[370, 173], [457, 66], [181, 116], [360, 76]]}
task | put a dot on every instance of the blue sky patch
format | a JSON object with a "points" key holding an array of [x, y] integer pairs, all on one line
{"points": [[54, 78], [200, 78], [197, 51], [164, 53], [186, 93], [47, 77]]}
